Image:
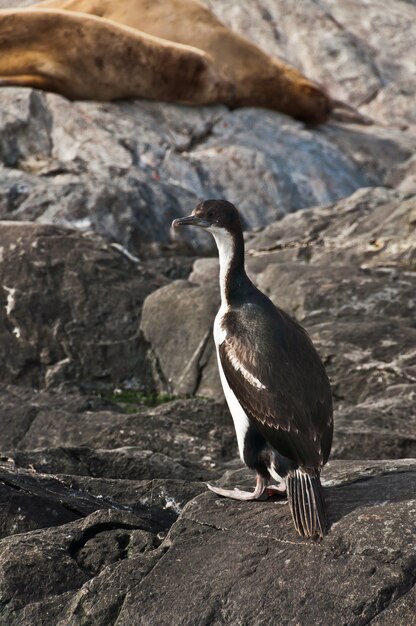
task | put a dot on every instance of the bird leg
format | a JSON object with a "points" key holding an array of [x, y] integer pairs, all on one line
{"points": [[276, 490], [238, 494]]}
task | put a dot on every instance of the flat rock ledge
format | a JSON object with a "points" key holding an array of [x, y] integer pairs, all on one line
{"points": [[211, 561]]}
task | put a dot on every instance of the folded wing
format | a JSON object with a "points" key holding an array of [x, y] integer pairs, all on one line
{"points": [[272, 367]]}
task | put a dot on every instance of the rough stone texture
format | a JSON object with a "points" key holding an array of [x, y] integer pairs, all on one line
{"points": [[262, 554], [69, 433], [182, 337], [125, 169], [104, 515], [93, 534], [70, 307], [346, 271], [340, 44], [115, 566]]}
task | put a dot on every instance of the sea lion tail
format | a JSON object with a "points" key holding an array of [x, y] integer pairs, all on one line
{"points": [[307, 504]]}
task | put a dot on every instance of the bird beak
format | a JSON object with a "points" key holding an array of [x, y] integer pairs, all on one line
{"points": [[190, 220]]}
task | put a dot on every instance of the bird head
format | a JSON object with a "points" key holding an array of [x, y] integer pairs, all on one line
{"points": [[212, 215]]}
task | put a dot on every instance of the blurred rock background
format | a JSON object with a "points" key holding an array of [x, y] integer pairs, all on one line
{"points": [[105, 311]]}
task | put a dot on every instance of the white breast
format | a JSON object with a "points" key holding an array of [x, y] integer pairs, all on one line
{"points": [[219, 332], [238, 414]]}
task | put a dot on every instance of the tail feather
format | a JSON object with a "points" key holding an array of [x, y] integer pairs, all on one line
{"points": [[306, 502], [292, 495]]}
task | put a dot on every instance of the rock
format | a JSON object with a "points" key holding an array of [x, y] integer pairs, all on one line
{"points": [[84, 298], [125, 463], [110, 566], [346, 271], [406, 176], [374, 226], [25, 124], [126, 169], [165, 498], [402, 609], [269, 166], [68, 433], [64, 556], [341, 45], [22, 512], [36, 500], [181, 337], [364, 542], [377, 149], [116, 208]]}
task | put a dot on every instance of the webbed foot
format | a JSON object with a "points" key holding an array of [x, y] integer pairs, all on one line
{"points": [[238, 494]]}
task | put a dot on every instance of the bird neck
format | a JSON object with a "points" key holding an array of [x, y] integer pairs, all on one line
{"points": [[234, 281]]}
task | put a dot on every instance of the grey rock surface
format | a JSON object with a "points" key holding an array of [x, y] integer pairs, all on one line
{"points": [[341, 45], [261, 555], [70, 309], [105, 518], [71, 433], [107, 566], [125, 169]]}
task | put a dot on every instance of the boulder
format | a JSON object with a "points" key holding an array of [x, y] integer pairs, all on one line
{"points": [[221, 558], [181, 342], [64, 432], [70, 309], [66, 557], [269, 165], [126, 169], [238, 556], [341, 45]]}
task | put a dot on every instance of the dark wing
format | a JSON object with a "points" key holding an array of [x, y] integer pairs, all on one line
{"points": [[286, 395]]}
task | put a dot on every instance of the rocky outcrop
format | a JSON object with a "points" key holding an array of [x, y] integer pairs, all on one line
{"points": [[101, 561], [126, 169], [105, 520], [70, 309], [105, 517], [67, 426], [104, 323], [341, 45]]}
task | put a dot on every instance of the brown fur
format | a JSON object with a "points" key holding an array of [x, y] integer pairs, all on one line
{"points": [[174, 50], [85, 57]]}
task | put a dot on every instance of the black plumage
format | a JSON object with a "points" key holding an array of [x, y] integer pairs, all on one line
{"points": [[294, 409], [274, 381]]}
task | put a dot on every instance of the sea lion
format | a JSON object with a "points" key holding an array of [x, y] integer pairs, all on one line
{"points": [[86, 57], [245, 75]]}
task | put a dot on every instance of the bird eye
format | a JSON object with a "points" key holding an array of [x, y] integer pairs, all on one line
{"points": [[211, 215]]}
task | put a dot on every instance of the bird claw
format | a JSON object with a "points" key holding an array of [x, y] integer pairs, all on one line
{"points": [[235, 494], [261, 492]]}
